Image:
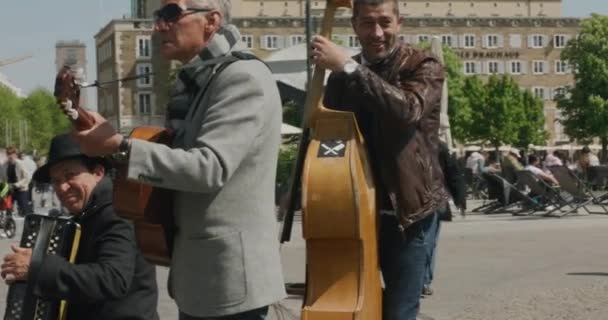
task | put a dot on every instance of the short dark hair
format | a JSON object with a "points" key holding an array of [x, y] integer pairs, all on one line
{"points": [[11, 150], [586, 149], [532, 159], [91, 163], [358, 3]]}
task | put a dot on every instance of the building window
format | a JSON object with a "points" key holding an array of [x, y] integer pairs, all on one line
{"points": [[469, 41], [144, 68], [539, 92], [536, 41], [538, 67], [560, 41], [270, 42], [561, 67], [494, 67], [448, 40], [559, 92], [144, 47], [423, 38], [516, 67], [296, 39], [144, 103], [353, 41], [248, 41], [492, 41], [470, 67], [104, 52]]}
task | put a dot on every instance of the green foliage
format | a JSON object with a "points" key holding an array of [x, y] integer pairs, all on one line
{"points": [[504, 114], [291, 115], [287, 158], [585, 107], [37, 116], [531, 129]]}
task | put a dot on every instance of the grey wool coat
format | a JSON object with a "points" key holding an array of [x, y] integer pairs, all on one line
{"points": [[226, 252]]}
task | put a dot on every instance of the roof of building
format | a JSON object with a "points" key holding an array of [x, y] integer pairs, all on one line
{"points": [[6, 83]]}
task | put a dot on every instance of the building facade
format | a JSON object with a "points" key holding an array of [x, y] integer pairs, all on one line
{"points": [[521, 38], [72, 53], [124, 49]]}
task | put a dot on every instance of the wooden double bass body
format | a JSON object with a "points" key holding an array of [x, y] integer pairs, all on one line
{"points": [[339, 218]]}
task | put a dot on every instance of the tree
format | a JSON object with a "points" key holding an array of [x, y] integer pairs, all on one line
{"points": [[9, 109], [503, 113], [44, 119], [459, 109], [585, 106], [531, 128]]}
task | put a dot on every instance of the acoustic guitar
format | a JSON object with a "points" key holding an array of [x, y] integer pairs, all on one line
{"points": [[339, 218], [148, 207]]}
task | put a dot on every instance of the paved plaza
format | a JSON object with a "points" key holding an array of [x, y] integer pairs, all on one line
{"points": [[489, 267]]}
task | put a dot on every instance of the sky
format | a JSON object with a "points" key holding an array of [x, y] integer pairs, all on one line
{"points": [[32, 27]]}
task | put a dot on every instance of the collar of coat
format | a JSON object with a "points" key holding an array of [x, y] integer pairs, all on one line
{"points": [[225, 40]]}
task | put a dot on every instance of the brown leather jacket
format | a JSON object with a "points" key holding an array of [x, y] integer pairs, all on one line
{"points": [[397, 104]]}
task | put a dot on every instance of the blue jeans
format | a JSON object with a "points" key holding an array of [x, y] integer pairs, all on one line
{"points": [[257, 314], [403, 263], [431, 250]]}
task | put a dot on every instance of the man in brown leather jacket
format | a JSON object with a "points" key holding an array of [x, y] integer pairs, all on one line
{"points": [[395, 91]]}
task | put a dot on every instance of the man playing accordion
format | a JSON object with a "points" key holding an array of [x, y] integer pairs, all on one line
{"points": [[110, 278]]}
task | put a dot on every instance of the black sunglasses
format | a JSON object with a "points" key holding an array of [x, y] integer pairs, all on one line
{"points": [[172, 12]]}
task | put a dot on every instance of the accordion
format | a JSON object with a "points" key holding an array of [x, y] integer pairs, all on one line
{"points": [[44, 235]]}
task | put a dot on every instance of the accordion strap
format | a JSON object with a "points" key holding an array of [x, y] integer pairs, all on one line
{"points": [[38, 252]]}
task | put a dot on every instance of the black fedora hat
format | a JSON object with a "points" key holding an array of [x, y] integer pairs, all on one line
{"points": [[63, 147]]}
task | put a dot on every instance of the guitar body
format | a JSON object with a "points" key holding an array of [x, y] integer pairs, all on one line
{"points": [[148, 207]]}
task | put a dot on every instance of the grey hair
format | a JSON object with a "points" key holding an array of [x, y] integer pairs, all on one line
{"points": [[223, 6]]}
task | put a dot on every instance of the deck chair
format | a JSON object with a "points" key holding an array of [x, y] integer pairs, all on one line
{"points": [[581, 194], [503, 195], [550, 196], [512, 196]]}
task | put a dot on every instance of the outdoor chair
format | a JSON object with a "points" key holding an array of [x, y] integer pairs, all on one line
{"points": [[549, 196], [505, 196], [580, 193]]}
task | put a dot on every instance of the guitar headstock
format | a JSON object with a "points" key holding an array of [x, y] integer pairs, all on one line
{"points": [[67, 93]]}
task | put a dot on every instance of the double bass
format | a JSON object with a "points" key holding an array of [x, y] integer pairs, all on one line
{"points": [[148, 207], [339, 218]]}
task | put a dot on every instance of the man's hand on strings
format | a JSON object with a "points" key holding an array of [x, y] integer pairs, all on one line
{"points": [[328, 55], [101, 140]]}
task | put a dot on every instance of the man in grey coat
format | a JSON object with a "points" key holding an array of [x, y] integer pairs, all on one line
{"points": [[221, 165]]}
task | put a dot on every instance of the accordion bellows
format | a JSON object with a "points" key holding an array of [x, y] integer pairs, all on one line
{"points": [[45, 235]]}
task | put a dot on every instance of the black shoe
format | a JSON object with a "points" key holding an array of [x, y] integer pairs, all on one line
{"points": [[426, 290]]}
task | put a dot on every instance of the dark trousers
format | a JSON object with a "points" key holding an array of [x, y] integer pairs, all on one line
{"points": [[257, 314], [23, 201], [403, 264]]}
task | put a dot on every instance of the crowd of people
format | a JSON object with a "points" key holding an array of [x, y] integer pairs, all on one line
{"points": [[537, 163]]}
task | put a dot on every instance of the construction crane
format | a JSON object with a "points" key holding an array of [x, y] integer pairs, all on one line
{"points": [[14, 60]]}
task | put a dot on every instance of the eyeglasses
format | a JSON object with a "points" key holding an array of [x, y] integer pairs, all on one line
{"points": [[172, 12]]}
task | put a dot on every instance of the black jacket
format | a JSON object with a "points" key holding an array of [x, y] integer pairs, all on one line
{"points": [[454, 176], [110, 280]]}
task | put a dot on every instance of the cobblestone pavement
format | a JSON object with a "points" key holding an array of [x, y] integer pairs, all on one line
{"points": [[489, 267]]}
